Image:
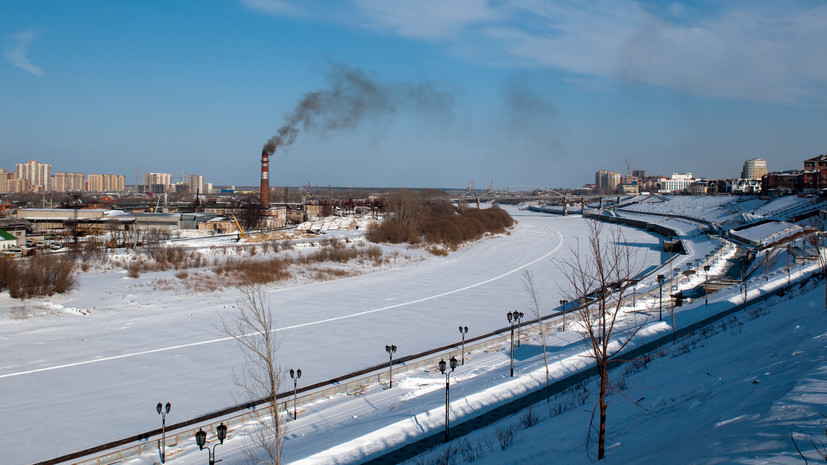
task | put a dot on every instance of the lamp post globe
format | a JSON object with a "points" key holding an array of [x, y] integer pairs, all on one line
{"points": [[200, 438]]}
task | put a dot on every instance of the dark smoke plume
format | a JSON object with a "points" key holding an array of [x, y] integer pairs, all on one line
{"points": [[352, 97]]}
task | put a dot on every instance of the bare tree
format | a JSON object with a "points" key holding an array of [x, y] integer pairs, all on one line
{"points": [[406, 207], [599, 274], [817, 241], [254, 327], [534, 308]]}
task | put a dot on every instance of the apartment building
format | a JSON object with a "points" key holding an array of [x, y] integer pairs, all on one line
{"points": [[38, 175], [67, 182], [754, 169]]}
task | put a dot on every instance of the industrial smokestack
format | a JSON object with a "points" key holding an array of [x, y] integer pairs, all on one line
{"points": [[265, 179]]}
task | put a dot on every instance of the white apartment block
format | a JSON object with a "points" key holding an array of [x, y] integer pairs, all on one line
{"points": [[157, 182], [195, 183], [754, 169], [37, 174], [677, 183]]}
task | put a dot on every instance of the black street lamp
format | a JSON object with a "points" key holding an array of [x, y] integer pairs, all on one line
{"points": [[442, 367], [562, 305], [201, 440], [706, 282], [163, 410], [295, 375], [463, 330], [390, 350], [513, 317], [661, 278], [518, 316]]}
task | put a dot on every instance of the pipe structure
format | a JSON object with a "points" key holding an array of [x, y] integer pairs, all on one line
{"points": [[265, 180]]}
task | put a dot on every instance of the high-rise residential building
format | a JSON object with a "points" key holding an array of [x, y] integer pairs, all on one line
{"points": [[754, 169], [157, 183], [37, 175], [67, 182], [4, 177], [606, 181], [195, 184], [639, 173], [105, 182], [114, 182], [94, 183], [18, 185]]}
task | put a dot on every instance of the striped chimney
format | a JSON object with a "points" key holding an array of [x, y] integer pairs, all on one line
{"points": [[265, 180]]}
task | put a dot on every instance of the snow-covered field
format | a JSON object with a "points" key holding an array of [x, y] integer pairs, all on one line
{"points": [[736, 395], [91, 367]]}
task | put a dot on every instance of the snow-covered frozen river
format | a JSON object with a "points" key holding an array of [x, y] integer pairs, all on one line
{"points": [[71, 381]]}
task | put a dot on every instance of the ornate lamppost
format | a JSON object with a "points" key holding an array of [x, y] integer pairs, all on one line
{"points": [[201, 440], [163, 410], [442, 366], [513, 317], [295, 375], [661, 278], [463, 330], [706, 282], [390, 350]]}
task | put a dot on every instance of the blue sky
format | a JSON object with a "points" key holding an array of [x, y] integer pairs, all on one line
{"points": [[518, 92]]}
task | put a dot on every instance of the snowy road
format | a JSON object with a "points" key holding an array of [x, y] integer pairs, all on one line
{"points": [[71, 381]]}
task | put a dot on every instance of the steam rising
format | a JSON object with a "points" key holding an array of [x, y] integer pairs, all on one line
{"points": [[351, 98]]}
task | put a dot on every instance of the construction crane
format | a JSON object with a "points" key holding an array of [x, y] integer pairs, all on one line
{"points": [[628, 167], [241, 233], [468, 189]]}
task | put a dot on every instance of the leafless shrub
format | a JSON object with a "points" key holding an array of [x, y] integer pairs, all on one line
{"points": [[529, 418], [469, 453], [438, 251], [440, 223], [20, 312], [133, 270], [506, 436], [42, 275]]}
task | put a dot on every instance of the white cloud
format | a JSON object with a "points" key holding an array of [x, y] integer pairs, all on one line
{"points": [[425, 19], [755, 51], [276, 7], [745, 52], [17, 53]]}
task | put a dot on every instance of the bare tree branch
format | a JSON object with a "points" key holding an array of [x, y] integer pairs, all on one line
{"points": [[261, 376], [599, 274]]}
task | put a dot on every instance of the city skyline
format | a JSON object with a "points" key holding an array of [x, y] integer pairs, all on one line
{"points": [[447, 92]]}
